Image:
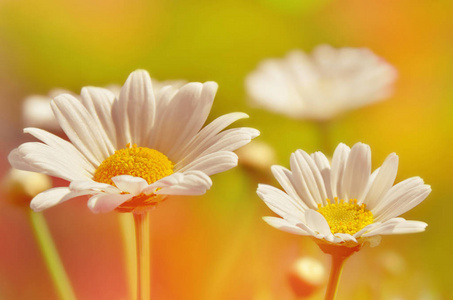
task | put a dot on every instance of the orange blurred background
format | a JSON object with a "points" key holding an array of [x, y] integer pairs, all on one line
{"points": [[216, 246]]}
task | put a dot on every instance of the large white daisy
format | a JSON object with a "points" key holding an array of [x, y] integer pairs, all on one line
{"points": [[131, 152], [321, 85], [343, 203]]}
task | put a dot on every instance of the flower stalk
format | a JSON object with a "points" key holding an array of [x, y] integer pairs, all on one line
{"points": [[334, 278], [52, 259], [143, 255], [126, 223], [339, 255]]}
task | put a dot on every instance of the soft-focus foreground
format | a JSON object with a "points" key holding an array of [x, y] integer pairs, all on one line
{"points": [[216, 246]]}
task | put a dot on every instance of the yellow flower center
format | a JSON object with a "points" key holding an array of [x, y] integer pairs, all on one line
{"points": [[146, 163], [346, 217]]}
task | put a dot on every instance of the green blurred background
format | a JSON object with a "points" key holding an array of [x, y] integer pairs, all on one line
{"points": [[216, 246]]}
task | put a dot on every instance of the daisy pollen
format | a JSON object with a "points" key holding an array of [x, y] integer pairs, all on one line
{"points": [[143, 162], [346, 217]]}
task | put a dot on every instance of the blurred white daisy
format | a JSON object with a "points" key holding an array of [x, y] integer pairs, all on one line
{"points": [[343, 203], [36, 111], [321, 85], [131, 152]]}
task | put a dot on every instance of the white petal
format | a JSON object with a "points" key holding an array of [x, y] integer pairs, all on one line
{"points": [[17, 161], [365, 229], [283, 225], [39, 157], [282, 204], [323, 165], [93, 187], [51, 198], [357, 171], [310, 231], [313, 178], [304, 180], [184, 116], [208, 133], [130, 184], [103, 203], [187, 183], [397, 191], [212, 163], [228, 140], [98, 102], [340, 157], [317, 222], [134, 112], [383, 181], [400, 198], [62, 145], [81, 128], [163, 99], [345, 237], [397, 226], [284, 177]]}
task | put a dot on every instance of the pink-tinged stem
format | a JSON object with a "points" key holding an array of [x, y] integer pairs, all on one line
{"points": [[143, 255], [339, 255], [335, 273]]}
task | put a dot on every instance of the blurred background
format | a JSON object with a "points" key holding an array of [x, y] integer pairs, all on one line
{"points": [[216, 246]]}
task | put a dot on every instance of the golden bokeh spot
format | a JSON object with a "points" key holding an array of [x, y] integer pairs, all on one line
{"points": [[143, 162], [346, 217]]}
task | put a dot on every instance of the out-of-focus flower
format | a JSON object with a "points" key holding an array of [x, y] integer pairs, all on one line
{"points": [[306, 276], [21, 186], [257, 155], [36, 111], [131, 152], [322, 85], [343, 204], [391, 262]]}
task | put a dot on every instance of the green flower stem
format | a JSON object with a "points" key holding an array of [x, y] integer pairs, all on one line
{"points": [[51, 257], [143, 255], [126, 222]]}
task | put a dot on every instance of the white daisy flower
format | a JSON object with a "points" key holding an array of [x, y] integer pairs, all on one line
{"points": [[131, 152], [342, 203], [322, 85]]}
